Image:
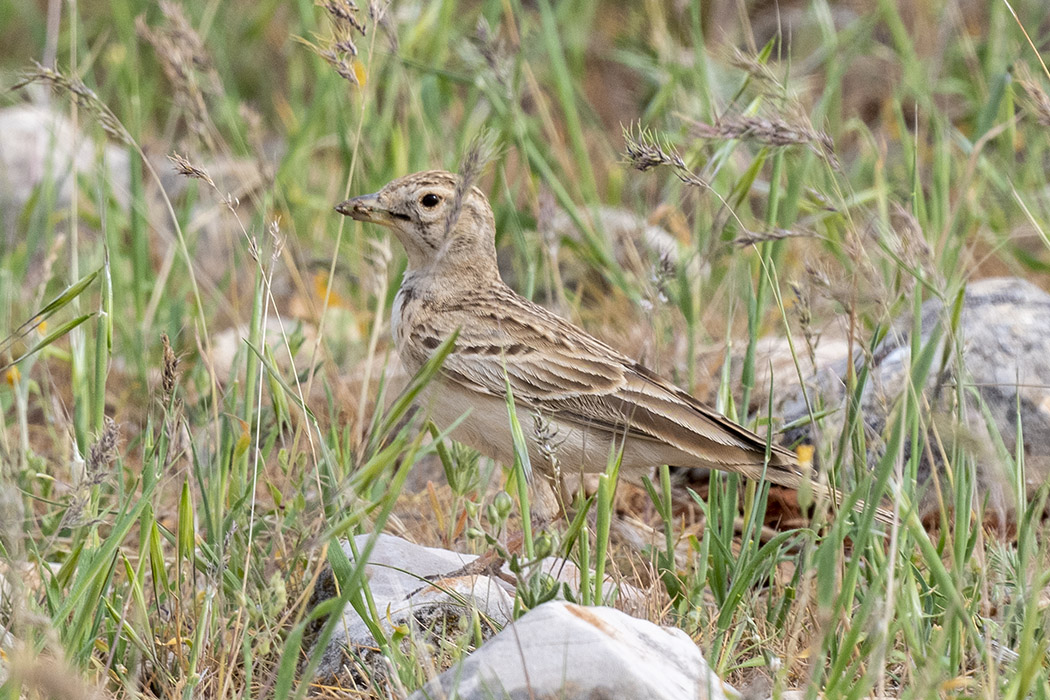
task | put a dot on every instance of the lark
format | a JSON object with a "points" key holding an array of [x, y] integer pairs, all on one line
{"points": [[591, 400]]}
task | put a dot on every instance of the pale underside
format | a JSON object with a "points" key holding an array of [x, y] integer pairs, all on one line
{"points": [[578, 448]]}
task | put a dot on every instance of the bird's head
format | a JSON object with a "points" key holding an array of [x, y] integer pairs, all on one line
{"points": [[436, 220]]}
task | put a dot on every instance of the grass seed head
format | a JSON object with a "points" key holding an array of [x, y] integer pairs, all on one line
{"points": [[170, 371], [85, 97], [185, 168], [186, 64], [103, 453], [1037, 100]]}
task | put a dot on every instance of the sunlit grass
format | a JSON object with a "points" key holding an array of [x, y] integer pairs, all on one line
{"points": [[178, 561]]}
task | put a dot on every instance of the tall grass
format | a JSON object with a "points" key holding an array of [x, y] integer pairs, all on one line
{"points": [[163, 519]]}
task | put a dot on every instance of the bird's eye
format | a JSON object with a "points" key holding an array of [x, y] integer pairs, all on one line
{"points": [[429, 200]]}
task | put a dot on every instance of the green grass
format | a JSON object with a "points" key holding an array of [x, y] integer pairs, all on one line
{"points": [[179, 562]]}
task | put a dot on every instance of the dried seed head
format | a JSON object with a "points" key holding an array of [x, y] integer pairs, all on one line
{"points": [[771, 132], [170, 371], [182, 34], [908, 240], [337, 59], [340, 50], [185, 63], [1037, 100], [493, 50], [663, 272], [377, 10], [276, 239], [102, 453], [85, 97], [184, 167], [346, 46], [381, 18], [803, 307], [546, 434], [344, 14], [75, 511], [480, 151], [756, 69], [803, 310], [644, 151]]}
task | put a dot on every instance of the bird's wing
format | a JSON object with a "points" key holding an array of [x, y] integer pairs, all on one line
{"points": [[560, 371]]}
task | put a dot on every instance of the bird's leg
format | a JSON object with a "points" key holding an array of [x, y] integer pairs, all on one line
{"points": [[547, 505]]}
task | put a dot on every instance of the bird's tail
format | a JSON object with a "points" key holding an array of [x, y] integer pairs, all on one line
{"points": [[822, 491], [785, 469]]}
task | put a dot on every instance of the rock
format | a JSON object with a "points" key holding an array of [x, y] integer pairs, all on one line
{"points": [[39, 144], [425, 590], [637, 244], [1002, 357], [649, 252], [398, 574], [562, 650], [229, 348]]}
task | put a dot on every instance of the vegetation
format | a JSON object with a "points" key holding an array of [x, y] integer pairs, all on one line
{"points": [[200, 399]]}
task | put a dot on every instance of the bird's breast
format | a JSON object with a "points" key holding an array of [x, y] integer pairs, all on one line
{"points": [[405, 313], [395, 315], [408, 315]]}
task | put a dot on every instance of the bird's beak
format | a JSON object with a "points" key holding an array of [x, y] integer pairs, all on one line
{"points": [[365, 208]]}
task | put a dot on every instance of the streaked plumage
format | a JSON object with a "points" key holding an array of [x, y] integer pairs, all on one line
{"points": [[591, 397]]}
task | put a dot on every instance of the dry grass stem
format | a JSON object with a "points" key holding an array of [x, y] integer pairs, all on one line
{"points": [[773, 234]]}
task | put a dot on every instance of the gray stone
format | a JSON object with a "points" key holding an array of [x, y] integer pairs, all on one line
{"points": [[410, 589], [998, 360], [562, 650]]}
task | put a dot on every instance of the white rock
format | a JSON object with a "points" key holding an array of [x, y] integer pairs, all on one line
{"points": [[422, 589], [229, 347], [37, 143], [562, 650], [404, 597]]}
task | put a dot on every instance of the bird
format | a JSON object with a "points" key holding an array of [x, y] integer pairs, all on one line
{"points": [[583, 399]]}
